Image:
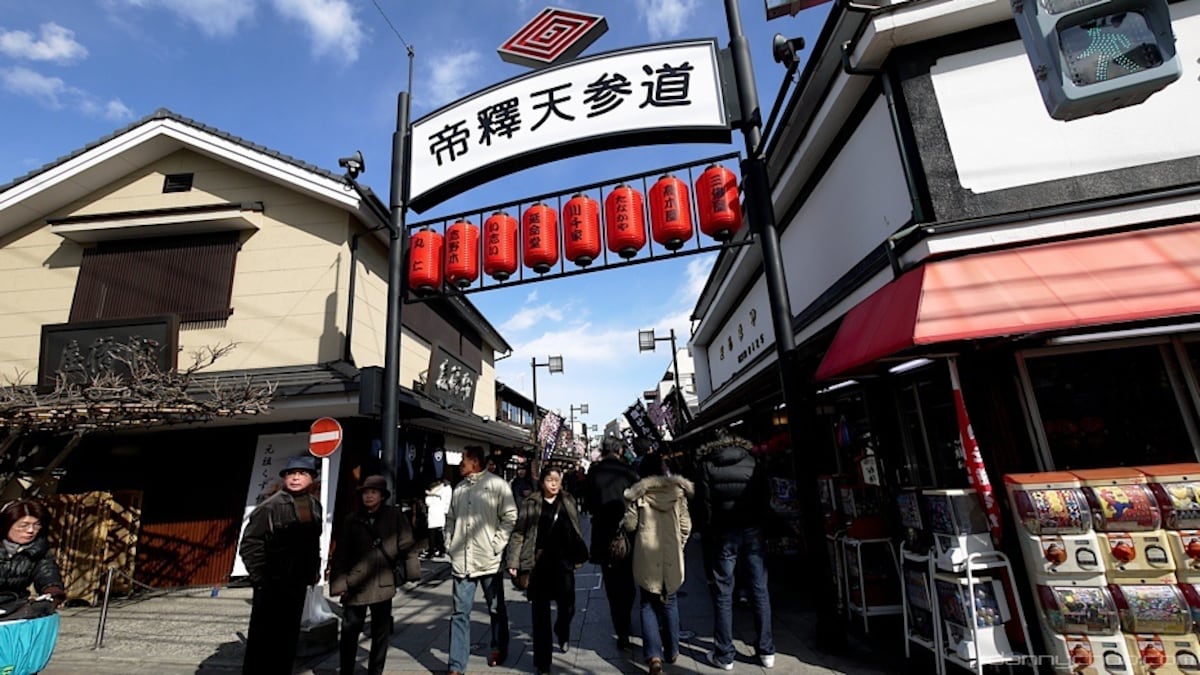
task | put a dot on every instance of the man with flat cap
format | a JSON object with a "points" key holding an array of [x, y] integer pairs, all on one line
{"points": [[281, 551], [373, 539]]}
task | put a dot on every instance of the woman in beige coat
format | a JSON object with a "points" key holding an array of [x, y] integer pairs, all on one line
{"points": [[657, 512]]}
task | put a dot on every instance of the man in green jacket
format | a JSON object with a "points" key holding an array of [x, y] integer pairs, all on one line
{"points": [[478, 525]]}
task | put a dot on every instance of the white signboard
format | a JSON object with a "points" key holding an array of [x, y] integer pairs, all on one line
{"points": [[747, 333], [269, 459], [651, 94]]}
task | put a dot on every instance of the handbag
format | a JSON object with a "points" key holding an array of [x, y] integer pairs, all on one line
{"points": [[522, 580], [618, 547]]}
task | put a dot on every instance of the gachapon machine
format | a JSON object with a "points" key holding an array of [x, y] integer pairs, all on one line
{"points": [[1177, 489], [1157, 622], [1128, 525], [1054, 524], [958, 526], [1082, 630], [912, 524]]}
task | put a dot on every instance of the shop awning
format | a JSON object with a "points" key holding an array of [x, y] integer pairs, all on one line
{"points": [[1130, 276]]}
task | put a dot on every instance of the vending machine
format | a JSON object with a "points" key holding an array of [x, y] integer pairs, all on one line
{"points": [[958, 527], [1080, 627], [1176, 487], [1126, 516], [1157, 623], [973, 613], [1082, 630]]}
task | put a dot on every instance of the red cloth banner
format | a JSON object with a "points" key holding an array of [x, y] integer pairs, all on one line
{"points": [[976, 471]]}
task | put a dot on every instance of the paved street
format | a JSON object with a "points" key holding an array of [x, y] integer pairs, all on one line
{"points": [[193, 632]]}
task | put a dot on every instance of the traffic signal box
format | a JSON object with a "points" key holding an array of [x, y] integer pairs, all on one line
{"points": [[1094, 56]]}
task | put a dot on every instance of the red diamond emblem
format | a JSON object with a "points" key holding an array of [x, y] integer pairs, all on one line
{"points": [[553, 35]]}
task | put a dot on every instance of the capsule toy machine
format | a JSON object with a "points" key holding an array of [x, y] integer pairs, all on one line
{"points": [[1128, 523], [1081, 629], [1176, 487], [958, 527], [1054, 527], [1157, 621]]}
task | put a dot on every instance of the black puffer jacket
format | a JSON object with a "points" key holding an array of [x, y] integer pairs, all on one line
{"points": [[279, 549], [731, 488], [32, 563], [604, 495]]}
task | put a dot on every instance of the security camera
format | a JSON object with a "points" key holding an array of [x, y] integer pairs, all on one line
{"points": [[353, 164], [784, 50]]}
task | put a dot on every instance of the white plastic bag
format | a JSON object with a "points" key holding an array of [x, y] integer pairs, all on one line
{"points": [[316, 608]]}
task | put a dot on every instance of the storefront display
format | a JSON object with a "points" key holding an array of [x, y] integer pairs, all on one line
{"points": [[958, 527]]}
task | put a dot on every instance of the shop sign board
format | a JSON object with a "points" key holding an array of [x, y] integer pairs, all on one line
{"points": [[451, 381], [642, 425], [555, 34], [663, 93], [747, 333], [82, 350]]}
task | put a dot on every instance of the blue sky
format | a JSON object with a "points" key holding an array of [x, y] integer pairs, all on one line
{"points": [[318, 79]]}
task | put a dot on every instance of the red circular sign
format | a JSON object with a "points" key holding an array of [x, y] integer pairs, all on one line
{"points": [[324, 437]]}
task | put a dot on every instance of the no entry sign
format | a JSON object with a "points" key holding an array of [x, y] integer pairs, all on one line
{"points": [[324, 437]]}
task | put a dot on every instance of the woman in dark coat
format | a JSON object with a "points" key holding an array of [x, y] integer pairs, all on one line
{"points": [[548, 543], [373, 540], [25, 557]]}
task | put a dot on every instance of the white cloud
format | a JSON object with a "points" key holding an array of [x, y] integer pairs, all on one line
{"points": [[55, 44], [333, 27], [698, 269], [529, 316], [214, 18], [451, 75], [55, 94], [666, 18], [48, 91]]}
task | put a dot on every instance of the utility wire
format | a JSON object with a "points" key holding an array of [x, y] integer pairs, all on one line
{"points": [[389, 23]]}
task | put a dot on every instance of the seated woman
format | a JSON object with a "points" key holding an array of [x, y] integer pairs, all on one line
{"points": [[26, 559]]}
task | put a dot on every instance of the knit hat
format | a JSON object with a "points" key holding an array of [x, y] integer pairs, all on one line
{"points": [[376, 483], [300, 462]]}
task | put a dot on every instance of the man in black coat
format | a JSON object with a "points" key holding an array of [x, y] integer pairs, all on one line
{"points": [[281, 551], [605, 488], [732, 497]]}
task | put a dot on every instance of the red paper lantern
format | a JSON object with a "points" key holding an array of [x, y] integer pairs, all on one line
{"points": [[718, 203], [462, 254], [425, 262], [581, 230], [670, 213], [540, 226], [500, 246], [625, 221]]}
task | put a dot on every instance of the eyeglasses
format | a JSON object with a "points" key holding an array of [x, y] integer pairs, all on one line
{"points": [[28, 527]]}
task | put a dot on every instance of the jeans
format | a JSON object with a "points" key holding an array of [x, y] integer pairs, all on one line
{"points": [[730, 545], [660, 626], [352, 625], [460, 619], [619, 587]]}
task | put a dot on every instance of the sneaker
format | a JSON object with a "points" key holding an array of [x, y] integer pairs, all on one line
{"points": [[767, 660], [712, 661], [564, 646], [656, 666]]}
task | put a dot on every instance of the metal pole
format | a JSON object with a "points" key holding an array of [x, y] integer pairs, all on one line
{"points": [[675, 361], [830, 634], [104, 610], [397, 247]]}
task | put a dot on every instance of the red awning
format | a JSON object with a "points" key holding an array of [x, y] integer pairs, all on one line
{"points": [[1148, 274]]}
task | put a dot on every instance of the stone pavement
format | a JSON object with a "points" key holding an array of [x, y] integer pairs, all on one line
{"points": [[194, 632]]}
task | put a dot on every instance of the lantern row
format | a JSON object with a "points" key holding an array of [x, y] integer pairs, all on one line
{"points": [[455, 258]]}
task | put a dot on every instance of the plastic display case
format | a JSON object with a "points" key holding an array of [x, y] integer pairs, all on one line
{"points": [[958, 527]]}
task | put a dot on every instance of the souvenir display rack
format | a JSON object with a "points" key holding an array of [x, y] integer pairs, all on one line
{"points": [[871, 578]]}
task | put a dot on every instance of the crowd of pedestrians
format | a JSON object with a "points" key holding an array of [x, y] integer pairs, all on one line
{"points": [[529, 532]]}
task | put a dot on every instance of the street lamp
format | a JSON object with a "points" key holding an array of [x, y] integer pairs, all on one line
{"points": [[646, 340], [555, 365], [583, 410]]}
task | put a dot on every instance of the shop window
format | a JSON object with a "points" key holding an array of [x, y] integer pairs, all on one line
{"points": [[929, 426], [1109, 407], [191, 276]]}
